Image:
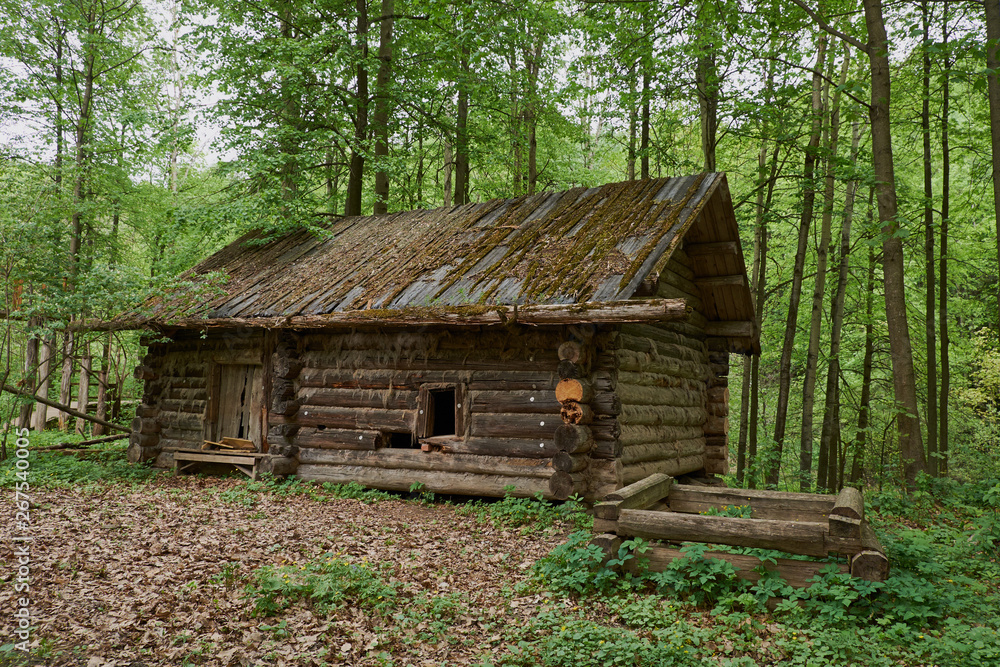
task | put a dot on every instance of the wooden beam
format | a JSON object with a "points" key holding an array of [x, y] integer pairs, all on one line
{"points": [[721, 281], [812, 507], [635, 310], [713, 248], [733, 329], [640, 495]]}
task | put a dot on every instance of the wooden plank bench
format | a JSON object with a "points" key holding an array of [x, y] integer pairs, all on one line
{"points": [[246, 462]]}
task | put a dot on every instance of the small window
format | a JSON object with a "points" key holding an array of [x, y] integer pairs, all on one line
{"points": [[441, 411], [441, 406], [401, 441]]}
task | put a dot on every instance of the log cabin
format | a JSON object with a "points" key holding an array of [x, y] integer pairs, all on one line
{"points": [[561, 343]]}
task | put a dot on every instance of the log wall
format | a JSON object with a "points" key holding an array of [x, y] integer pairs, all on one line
{"points": [[175, 411], [351, 407]]}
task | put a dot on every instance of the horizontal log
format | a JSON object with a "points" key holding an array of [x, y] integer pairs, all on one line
{"points": [[577, 390], [606, 449], [671, 277], [643, 362], [730, 329], [632, 434], [145, 373], [486, 380], [662, 334], [435, 481], [137, 453], [696, 251], [191, 406], [172, 445], [718, 409], [675, 396], [663, 415], [712, 282], [848, 513], [181, 420], [511, 425], [479, 359], [605, 429], [674, 467], [810, 507], [391, 399], [145, 426], [798, 538], [569, 369], [574, 313], [185, 394], [718, 395], [279, 466], [146, 410], [572, 412], [563, 462], [717, 466], [574, 438], [570, 351], [606, 404], [641, 379], [658, 348], [667, 291], [562, 485], [516, 447], [416, 340], [663, 450], [638, 495], [716, 453], [336, 438], [796, 573], [531, 402], [870, 563], [415, 459], [717, 440], [194, 435], [285, 367], [716, 425], [396, 421]]}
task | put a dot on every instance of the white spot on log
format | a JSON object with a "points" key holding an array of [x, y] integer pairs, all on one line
{"points": [[421, 412], [361, 437], [541, 423], [542, 445], [531, 400], [458, 405]]}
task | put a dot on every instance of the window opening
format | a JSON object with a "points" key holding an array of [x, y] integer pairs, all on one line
{"points": [[402, 441], [442, 411]]}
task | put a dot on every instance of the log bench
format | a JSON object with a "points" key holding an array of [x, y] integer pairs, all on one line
{"points": [[656, 508], [246, 462]]}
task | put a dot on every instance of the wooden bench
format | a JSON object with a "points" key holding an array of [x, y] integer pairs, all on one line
{"points": [[246, 462]]}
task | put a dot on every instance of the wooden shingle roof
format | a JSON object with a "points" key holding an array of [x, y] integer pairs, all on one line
{"points": [[581, 246]]}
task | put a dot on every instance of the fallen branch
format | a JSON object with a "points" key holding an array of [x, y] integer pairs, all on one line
{"points": [[65, 408], [82, 443]]}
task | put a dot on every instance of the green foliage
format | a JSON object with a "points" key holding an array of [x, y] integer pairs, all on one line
{"points": [[326, 583], [99, 466], [529, 513]]}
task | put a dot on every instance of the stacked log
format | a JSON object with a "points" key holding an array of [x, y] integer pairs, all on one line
{"points": [[144, 441], [574, 438], [355, 392], [717, 424]]}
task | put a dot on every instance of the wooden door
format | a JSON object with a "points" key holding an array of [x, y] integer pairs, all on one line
{"points": [[240, 402]]}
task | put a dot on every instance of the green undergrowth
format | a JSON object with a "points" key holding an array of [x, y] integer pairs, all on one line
{"points": [[528, 514], [93, 467], [939, 606]]}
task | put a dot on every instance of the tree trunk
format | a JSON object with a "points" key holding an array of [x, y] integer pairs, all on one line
{"points": [[942, 464], [102, 388], [864, 408], [795, 295], [993, 93], [462, 134], [66, 382], [532, 64], [819, 297], [633, 122], [706, 78], [383, 101], [83, 392], [30, 375], [904, 379], [930, 294], [829, 438], [355, 181], [45, 377]]}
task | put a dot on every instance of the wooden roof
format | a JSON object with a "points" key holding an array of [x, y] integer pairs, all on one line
{"points": [[582, 246]]}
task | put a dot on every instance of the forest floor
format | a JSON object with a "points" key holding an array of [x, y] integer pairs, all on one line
{"points": [[133, 568]]}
